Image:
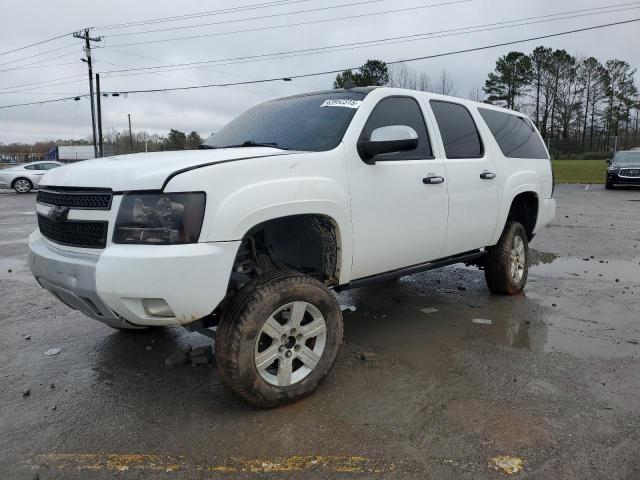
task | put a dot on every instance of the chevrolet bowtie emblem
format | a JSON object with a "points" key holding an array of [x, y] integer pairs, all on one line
{"points": [[58, 213]]}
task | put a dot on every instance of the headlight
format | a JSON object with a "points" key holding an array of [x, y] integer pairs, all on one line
{"points": [[613, 169], [159, 218]]}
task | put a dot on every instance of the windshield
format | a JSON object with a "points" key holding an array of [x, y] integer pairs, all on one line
{"points": [[627, 157], [315, 122]]}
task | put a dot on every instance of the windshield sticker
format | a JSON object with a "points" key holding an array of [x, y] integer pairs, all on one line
{"points": [[341, 102]]}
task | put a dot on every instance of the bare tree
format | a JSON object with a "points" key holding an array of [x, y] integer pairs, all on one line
{"points": [[476, 94], [423, 82], [446, 84], [401, 76]]}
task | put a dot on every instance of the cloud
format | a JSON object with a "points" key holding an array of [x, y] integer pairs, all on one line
{"points": [[207, 110]]}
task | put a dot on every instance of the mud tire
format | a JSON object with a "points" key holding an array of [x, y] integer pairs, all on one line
{"points": [[245, 316], [498, 262]]}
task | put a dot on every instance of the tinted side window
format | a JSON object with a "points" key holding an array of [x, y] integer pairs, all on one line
{"points": [[31, 167], [400, 111], [515, 135], [49, 166], [459, 133]]}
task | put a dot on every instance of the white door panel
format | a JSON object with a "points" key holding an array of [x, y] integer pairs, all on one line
{"points": [[473, 205], [398, 220]]}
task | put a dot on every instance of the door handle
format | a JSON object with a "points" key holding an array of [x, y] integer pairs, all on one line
{"points": [[432, 180], [487, 175]]}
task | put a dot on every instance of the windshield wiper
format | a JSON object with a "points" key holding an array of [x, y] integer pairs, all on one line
{"points": [[251, 143]]}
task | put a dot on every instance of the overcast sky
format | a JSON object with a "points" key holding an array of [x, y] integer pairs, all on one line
{"points": [[206, 110]]}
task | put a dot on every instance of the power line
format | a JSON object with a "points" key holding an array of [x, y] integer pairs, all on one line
{"points": [[245, 19], [162, 74], [224, 11], [34, 44], [310, 22], [42, 102], [328, 72], [39, 83], [38, 54], [38, 66], [368, 43], [262, 17], [42, 86], [486, 47], [37, 62]]}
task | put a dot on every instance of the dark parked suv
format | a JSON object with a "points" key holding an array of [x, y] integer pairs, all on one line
{"points": [[624, 169]]}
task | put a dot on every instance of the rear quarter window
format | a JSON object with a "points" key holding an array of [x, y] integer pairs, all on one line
{"points": [[516, 136]]}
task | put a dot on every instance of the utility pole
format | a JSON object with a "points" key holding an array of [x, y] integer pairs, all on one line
{"points": [[87, 50], [130, 136], [100, 144]]}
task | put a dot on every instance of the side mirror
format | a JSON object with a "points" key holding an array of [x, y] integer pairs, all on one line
{"points": [[389, 139], [609, 161]]}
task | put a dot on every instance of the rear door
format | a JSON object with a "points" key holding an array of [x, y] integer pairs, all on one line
{"points": [[471, 173], [399, 219]]}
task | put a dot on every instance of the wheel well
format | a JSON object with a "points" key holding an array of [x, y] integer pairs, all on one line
{"points": [[524, 209], [307, 243]]}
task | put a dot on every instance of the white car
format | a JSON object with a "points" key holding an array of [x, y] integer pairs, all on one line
{"points": [[24, 178], [294, 198]]}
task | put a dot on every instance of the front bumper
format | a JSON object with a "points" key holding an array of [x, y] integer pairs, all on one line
{"points": [[110, 287]]}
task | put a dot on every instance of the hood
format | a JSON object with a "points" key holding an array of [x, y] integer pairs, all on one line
{"points": [[626, 165], [145, 171]]}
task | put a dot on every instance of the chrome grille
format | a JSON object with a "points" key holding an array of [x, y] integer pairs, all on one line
{"points": [[630, 172]]}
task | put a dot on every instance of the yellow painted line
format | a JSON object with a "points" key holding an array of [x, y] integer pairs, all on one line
{"points": [[119, 462], [507, 464]]}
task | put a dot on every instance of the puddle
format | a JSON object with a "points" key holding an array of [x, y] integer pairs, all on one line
{"points": [[550, 265], [393, 323], [563, 309]]}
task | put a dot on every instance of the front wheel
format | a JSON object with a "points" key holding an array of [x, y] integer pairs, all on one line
{"points": [[608, 186], [278, 338], [22, 185], [507, 263]]}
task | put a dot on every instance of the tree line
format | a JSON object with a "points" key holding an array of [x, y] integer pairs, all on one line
{"points": [[115, 142], [578, 104], [569, 98]]}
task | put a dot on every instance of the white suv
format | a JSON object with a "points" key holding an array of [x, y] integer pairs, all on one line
{"points": [[294, 198]]}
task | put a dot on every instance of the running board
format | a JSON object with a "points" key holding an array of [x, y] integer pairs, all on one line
{"points": [[467, 257]]}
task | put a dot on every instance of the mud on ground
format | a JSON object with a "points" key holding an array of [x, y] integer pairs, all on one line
{"points": [[437, 378]]}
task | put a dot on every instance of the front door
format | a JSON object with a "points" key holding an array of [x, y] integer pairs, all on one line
{"points": [[400, 204]]}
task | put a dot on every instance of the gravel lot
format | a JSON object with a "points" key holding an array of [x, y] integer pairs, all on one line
{"points": [[437, 378]]}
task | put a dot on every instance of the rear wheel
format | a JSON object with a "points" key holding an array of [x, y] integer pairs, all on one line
{"points": [[278, 338], [22, 185], [507, 263]]}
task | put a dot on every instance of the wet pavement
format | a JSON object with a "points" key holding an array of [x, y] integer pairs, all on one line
{"points": [[437, 378]]}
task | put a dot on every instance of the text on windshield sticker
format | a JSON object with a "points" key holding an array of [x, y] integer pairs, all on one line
{"points": [[341, 102]]}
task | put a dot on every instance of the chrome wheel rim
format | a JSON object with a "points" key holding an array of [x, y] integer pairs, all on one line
{"points": [[21, 186], [290, 344], [518, 259]]}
